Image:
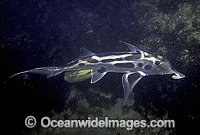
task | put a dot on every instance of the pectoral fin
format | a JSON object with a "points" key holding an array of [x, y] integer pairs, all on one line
{"points": [[129, 81]]}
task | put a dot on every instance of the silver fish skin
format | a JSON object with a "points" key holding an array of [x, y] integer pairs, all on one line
{"points": [[134, 64]]}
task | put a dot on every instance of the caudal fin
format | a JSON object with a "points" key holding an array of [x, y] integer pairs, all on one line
{"points": [[48, 71]]}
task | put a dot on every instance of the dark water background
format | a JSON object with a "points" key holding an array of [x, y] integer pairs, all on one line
{"points": [[37, 33]]}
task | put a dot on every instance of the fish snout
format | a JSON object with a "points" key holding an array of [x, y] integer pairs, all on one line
{"points": [[178, 75]]}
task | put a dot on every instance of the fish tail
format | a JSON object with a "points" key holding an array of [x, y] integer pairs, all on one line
{"points": [[48, 71]]}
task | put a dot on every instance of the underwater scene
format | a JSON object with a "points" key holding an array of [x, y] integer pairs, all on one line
{"points": [[124, 67]]}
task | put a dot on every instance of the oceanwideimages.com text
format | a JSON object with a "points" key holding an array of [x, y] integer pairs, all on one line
{"points": [[46, 122]]}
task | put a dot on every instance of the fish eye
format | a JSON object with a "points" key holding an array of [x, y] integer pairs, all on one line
{"points": [[157, 63]]}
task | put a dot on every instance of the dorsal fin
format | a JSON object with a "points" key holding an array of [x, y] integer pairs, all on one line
{"points": [[85, 52], [141, 47], [132, 48]]}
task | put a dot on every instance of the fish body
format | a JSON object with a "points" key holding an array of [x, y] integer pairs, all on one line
{"points": [[134, 64]]}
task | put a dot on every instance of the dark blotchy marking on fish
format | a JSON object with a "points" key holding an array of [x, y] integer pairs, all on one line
{"points": [[148, 67], [81, 64], [140, 64], [112, 53], [124, 65], [92, 61], [71, 63], [110, 60], [133, 57], [157, 63], [107, 60], [101, 70], [118, 59]]}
